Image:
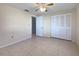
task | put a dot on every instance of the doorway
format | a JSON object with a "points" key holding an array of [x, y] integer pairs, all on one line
{"points": [[33, 26]]}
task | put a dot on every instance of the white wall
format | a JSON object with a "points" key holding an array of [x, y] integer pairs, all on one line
{"points": [[77, 25], [13, 23], [47, 20]]}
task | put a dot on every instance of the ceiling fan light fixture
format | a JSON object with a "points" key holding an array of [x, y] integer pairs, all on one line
{"points": [[43, 6], [42, 9]]}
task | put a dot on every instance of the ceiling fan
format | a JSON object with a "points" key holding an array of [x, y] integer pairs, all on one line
{"points": [[43, 7]]}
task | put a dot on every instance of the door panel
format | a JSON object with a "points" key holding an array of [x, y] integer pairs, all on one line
{"points": [[39, 26]]}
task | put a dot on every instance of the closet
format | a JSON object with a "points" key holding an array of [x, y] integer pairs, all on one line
{"points": [[61, 26]]}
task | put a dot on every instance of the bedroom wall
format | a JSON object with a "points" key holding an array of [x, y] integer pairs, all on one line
{"points": [[77, 12], [15, 25]]}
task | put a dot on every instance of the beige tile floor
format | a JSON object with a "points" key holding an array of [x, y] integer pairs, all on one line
{"points": [[41, 47]]}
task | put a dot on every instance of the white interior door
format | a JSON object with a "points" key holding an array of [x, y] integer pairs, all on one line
{"points": [[68, 18], [61, 26], [54, 26], [39, 26]]}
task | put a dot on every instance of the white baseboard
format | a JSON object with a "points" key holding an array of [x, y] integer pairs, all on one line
{"points": [[10, 43]]}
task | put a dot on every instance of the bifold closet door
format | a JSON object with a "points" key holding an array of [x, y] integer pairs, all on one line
{"points": [[39, 26], [68, 22], [61, 26], [55, 26]]}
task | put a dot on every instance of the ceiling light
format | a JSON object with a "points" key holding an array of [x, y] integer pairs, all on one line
{"points": [[43, 6], [42, 9]]}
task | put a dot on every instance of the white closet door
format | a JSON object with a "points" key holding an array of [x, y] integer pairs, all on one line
{"points": [[54, 26], [39, 26], [68, 18], [61, 26]]}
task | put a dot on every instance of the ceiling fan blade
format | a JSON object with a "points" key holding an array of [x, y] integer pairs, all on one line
{"points": [[46, 10], [36, 9], [50, 4], [26, 10]]}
